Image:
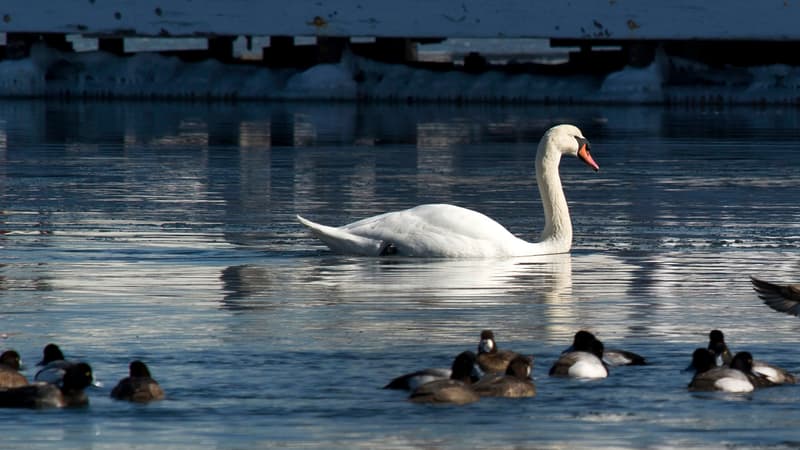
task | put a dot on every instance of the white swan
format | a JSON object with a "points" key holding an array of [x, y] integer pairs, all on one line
{"points": [[450, 231]]}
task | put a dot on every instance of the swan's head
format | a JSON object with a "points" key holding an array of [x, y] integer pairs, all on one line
{"points": [[569, 140]]}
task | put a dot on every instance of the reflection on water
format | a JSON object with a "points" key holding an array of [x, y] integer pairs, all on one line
{"points": [[166, 231], [415, 292], [486, 280]]}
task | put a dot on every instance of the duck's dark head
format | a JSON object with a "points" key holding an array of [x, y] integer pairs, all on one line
{"points": [[11, 359], [139, 369], [742, 361], [583, 341], [462, 367], [716, 337], [51, 353], [702, 360], [77, 377], [520, 367]]}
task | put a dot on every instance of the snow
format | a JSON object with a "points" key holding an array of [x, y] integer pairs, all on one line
{"points": [[48, 72], [329, 81], [636, 85]]}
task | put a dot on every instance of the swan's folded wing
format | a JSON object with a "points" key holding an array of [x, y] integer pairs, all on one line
{"points": [[438, 230], [343, 241], [430, 220], [785, 299]]}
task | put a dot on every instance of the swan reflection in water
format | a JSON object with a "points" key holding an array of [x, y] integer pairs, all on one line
{"points": [[335, 298], [430, 282]]}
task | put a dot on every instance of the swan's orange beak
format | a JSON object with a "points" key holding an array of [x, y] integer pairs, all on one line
{"points": [[585, 156]]}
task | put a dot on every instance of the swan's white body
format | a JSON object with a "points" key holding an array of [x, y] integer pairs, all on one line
{"points": [[441, 230], [437, 230]]}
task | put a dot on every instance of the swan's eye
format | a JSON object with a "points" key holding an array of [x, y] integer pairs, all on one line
{"points": [[582, 141]]}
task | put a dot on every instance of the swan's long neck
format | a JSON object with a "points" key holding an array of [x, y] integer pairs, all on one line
{"points": [[557, 225]]}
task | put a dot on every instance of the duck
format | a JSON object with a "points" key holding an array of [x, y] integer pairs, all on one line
{"points": [[455, 390], [515, 383], [490, 358], [450, 231], [139, 386], [583, 360], [717, 345], [776, 375], [709, 377], [53, 365], [69, 393], [784, 298], [612, 357], [10, 364]]}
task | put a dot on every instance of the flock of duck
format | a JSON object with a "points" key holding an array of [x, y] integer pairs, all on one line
{"points": [[503, 373], [491, 372], [61, 383]]}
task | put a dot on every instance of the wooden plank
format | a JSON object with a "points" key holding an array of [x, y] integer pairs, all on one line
{"points": [[571, 19]]}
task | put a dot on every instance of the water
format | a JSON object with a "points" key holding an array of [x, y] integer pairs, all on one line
{"points": [[166, 232]]}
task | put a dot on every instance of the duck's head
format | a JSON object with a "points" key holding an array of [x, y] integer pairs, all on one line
{"points": [[462, 367], [742, 361], [702, 360], [487, 344], [139, 369], [569, 140], [77, 377], [716, 337], [716, 343], [11, 359], [520, 367], [51, 353], [583, 341]]}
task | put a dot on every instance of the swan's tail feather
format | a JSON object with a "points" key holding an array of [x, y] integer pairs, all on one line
{"points": [[342, 241]]}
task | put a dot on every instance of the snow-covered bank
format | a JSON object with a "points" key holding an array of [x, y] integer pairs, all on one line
{"points": [[49, 73]]}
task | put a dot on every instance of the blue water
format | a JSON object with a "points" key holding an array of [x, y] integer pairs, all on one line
{"points": [[166, 232]]}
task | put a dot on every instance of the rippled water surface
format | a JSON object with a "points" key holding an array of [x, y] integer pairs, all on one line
{"points": [[166, 232]]}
